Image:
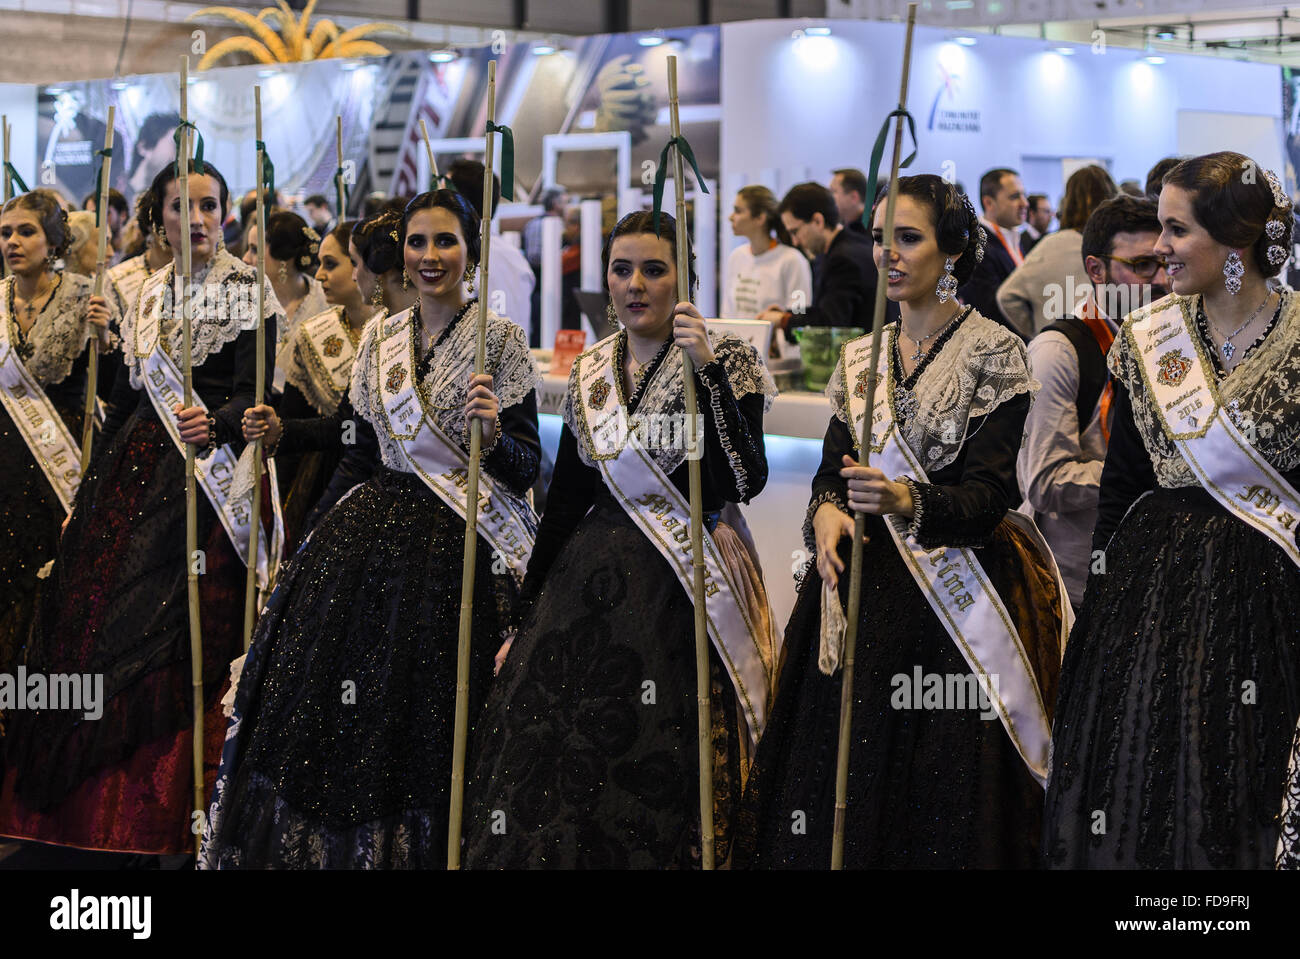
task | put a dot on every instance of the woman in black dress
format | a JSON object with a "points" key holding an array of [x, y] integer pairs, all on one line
{"points": [[115, 603], [934, 780], [1180, 688], [339, 752], [587, 754], [47, 315]]}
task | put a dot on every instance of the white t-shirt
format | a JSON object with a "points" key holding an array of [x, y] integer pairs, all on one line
{"points": [[512, 284], [753, 283]]}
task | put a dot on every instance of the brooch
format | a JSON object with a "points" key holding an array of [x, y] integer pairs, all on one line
{"points": [[396, 377], [1173, 368], [333, 346], [598, 394]]}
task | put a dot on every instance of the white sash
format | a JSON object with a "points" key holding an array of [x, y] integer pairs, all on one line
{"points": [[952, 580], [41, 427], [664, 516], [504, 519], [1180, 380], [216, 472], [330, 352]]}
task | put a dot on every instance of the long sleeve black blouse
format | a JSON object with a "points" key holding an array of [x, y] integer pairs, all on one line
{"points": [[963, 502], [725, 477]]}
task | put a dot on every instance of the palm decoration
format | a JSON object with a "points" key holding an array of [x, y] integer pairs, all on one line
{"points": [[292, 42]]}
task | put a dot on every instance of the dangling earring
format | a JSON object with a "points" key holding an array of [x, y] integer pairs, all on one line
{"points": [[377, 296], [1233, 271], [470, 275], [406, 279], [611, 314], [947, 287], [162, 235], [284, 272]]}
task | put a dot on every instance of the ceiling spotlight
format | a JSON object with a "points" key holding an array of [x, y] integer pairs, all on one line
{"points": [[442, 56], [1154, 59], [652, 39], [1065, 51], [1166, 33], [964, 41], [817, 31], [543, 49]]}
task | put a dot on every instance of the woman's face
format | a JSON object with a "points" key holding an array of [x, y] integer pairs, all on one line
{"points": [[361, 275], [22, 238], [251, 242], [915, 260], [642, 279], [434, 253], [335, 272], [205, 215], [1194, 258], [744, 223]]}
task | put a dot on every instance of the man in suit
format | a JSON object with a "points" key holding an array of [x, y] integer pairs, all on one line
{"points": [[1040, 218], [849, 188], [1002, 197], [844, 276]]}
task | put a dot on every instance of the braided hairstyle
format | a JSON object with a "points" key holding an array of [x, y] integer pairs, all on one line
{"points": [[1240, 204], [289, 238], [957, 228], [51, 215], [643, 221], [378, 242], [454, 203]]}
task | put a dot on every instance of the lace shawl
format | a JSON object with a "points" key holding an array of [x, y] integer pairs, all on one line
{"points": [[59, 334], [665, 392], [982, 365], [442, 392], [303, 369], [1264, 389], [310, 306], [224, 304]]}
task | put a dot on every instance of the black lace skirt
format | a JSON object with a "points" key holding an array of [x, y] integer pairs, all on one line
{"points": [[587, 754], [339, 754], [927, 788], [1179, 696]]}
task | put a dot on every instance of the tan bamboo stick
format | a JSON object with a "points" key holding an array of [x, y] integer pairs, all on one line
{"points": [[191, 503], [471, 518], [702, 681], [428, 148], [250, 582], [339, 189], [9, 185], [864, 445], [101, 274]]}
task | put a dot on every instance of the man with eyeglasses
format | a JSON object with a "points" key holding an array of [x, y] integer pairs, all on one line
{"points": [[1068, 428]]}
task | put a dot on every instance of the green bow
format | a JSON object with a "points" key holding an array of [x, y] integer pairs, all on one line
{"points": [[507, 160], [13, 175], [107, 154], [198, 146], [877, 152], [688, 155], [266, 179], [341, 187]]}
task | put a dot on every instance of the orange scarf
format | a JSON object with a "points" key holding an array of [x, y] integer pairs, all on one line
{"points": [[1101, 332]]}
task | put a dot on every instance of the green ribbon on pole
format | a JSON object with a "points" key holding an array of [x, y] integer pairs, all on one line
{"points": [[198, 145], [877, 153], [661, 171], [507, 159], [341, 188], [266, 176], [106, 153], [13, 175]]}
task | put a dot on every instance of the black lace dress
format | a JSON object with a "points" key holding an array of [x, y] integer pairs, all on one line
{"points": [[587, 753], [339, 752], [30, 511], [116, 605], [1180, 687], [927, 788]]}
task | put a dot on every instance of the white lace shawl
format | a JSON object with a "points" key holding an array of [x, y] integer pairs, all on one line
{"points": [[442, 392], [980, 367], [59, 334], [224, 303], [665, 392], [310, 306], [1263, 389]]}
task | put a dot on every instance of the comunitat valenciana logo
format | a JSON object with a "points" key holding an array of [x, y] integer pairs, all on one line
{"points": [[78, 913]]}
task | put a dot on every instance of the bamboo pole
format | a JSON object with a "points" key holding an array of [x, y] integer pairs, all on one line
{"points": [[864, 445], [101, 274], [702, 681], [339, 189], [433, 164], [471, 517], [250, 582], [9, 185], [191, 503]]}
